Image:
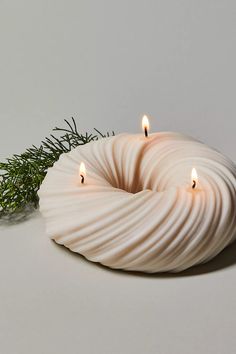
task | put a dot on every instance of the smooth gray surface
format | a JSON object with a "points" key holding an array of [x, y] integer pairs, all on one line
{"points": [[107, 62]]}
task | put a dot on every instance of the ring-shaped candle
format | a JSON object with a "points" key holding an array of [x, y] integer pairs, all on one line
{"points": [[137, 209]]}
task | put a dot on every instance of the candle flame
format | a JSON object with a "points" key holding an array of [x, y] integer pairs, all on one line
{"points": [[82, 171], [194, 178], [145, 125]]}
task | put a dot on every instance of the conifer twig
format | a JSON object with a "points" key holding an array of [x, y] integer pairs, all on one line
{"points": [[21, 175]]}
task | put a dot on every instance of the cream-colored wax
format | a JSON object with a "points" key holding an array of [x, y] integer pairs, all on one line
{"points": [[136, 209]]}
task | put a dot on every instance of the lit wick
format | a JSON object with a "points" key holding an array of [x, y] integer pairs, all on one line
{"points": [[194, 178], [82, 172], [145, 124]]}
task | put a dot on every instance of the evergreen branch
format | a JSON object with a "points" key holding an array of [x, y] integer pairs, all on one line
{"points": [[21, 175]]}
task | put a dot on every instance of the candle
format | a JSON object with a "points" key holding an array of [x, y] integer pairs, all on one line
{"points": [[137, 212]]}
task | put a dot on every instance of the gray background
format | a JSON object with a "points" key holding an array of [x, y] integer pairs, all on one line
{"points": [[106, 63]]}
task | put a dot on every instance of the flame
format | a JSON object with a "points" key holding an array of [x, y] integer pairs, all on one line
{"points": [[194, 178], [82, 171], [145, 123]]}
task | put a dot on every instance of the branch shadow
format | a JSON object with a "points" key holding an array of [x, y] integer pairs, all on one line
{"points": [[225, 259], [18, 217]]}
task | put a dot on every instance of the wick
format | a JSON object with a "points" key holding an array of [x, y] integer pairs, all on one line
{"points": [[82, 179], [146, 132], [194, 184]]}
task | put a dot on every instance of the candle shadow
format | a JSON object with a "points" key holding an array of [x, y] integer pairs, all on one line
{"points": [[225, 259]]}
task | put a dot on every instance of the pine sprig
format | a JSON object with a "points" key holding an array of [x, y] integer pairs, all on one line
{"points": [[21, 175]]}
